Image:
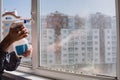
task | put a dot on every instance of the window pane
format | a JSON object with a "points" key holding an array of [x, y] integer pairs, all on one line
{"points": [[16, 10], [78, 36]]}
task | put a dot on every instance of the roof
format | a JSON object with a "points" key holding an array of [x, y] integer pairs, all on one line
{"points": [[10, 13]]}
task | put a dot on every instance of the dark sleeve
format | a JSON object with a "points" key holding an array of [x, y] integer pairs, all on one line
{"points": [[2, 59], [11, 62]]}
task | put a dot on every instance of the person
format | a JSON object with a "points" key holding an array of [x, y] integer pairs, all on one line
{"points": [[9, 60]]}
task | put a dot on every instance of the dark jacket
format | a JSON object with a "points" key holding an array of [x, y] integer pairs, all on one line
{"points": [[8, 61]]}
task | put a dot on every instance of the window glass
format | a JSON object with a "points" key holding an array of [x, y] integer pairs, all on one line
{"points": [[16, 10], [86, 28]]}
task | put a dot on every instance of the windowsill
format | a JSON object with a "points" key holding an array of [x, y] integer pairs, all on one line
{"points": [[25, 76], [58, 75]]}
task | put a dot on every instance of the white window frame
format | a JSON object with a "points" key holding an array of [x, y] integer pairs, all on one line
{"points": [[35, 69]]}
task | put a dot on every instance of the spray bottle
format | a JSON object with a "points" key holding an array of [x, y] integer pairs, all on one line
{"points": [[20, 46]]}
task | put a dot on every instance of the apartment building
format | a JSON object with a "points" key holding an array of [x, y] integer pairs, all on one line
{"points": [[78, 45]]}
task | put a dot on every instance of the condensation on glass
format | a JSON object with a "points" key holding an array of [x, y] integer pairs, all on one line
{"points": [[78, 36]]}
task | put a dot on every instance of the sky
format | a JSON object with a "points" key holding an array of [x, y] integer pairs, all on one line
{"points": [[69, 7], [22, 6], [79, 7]]}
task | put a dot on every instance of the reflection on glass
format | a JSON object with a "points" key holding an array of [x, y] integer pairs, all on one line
{"points": [[78, 36], [16, 12]]}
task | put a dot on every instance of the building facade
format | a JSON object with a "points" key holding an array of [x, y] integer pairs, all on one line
{"points": [[77, 43]]}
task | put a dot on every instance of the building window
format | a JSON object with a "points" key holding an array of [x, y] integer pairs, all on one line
{"points": [[96, 48], [96, 42], [7, 24], [83, 60], [108, 37], [89, 37], [96, 37], [83, 43], [83, 48], [8, 18], [65, 55]]}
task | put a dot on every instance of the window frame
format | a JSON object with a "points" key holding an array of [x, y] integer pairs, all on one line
{"points": [[37, 70], [118, 39]]}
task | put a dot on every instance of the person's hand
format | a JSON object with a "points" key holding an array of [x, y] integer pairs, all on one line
{"points": [[28, 52], [17, 31]]}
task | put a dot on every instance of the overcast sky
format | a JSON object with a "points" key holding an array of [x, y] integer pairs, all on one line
{"points": [[69, 7], [80, 7]]}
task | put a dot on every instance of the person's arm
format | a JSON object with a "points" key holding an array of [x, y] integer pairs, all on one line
{"points": [[11, 61], [6, 42], [2, 58], [16, 32]]}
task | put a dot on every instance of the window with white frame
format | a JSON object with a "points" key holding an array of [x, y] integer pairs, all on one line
{"points": [[71, 38], [87, 16]]}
